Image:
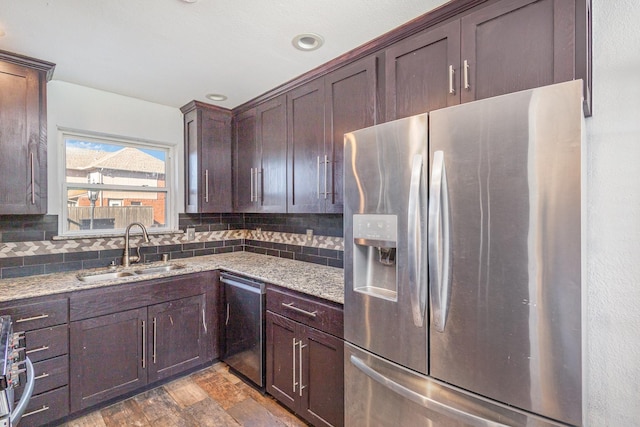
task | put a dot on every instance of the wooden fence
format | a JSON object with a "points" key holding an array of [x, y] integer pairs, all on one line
{"points": [[105, 217]]}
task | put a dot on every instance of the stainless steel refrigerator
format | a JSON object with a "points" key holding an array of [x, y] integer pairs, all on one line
{"points": [[463, 297]]}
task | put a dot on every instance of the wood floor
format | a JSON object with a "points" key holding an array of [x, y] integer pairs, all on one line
{"points": [[211, 397]]}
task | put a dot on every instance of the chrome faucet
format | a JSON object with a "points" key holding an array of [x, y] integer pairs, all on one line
{"points": [[126, 259]]}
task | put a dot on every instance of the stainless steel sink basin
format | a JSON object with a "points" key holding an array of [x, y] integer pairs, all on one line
{"points": [[159, 269], [99, 277]]}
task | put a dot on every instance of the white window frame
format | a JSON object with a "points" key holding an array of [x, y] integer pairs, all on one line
{"points": [[170, 188]]}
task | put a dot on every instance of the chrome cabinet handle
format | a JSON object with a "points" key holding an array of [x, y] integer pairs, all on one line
{"points": [[259, 181], [41, 376], [37, 411], [293, 365], [155, 333], [206, 185], [29, 319], [226, 322], [33, 180], [466, 75], [318, 176], [420, 399], [299, 310], [252, 198], [414, 239], [144, 344], [452, 89], [326, 162], [39, 349], [300, 347], [204, 322], [439, 243]]}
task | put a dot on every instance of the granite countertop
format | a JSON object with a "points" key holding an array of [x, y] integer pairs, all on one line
{"points": [[312, 279]]}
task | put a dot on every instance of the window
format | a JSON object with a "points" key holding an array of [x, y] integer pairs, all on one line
{"points": [[112, 182]]}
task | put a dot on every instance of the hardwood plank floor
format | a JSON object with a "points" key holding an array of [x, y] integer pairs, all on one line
{"points": [[212, 397]]}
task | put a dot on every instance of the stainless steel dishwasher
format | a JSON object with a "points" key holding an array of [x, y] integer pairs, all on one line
{"points": [[244, 331]]}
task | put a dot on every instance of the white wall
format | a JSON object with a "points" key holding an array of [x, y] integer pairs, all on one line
{"points": [[81, 108], [613, 217]]}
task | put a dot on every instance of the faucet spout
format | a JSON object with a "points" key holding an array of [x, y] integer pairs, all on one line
{"points": [[126, 258]]}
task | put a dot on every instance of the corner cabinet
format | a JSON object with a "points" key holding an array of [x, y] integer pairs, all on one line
{"points": [[144, 332], [503, 47], [305, 354], [207, 152], [23, 134]]}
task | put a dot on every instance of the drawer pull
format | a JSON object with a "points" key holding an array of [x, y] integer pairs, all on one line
{"points": [[43, 375], [29, 319], [37, 411], [299, 310], [36, 350]]}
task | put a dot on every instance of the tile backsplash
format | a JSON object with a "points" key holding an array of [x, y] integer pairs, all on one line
{"points": [[27, 248]]}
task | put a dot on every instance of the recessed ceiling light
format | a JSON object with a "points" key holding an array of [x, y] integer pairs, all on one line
{"points": [[215, 97], [307, 41], [189, 1]]}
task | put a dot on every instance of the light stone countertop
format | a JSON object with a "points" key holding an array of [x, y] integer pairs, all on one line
{"points": [[312, 279]]}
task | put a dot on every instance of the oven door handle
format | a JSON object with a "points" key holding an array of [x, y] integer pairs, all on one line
{"points": [[17, 412]]}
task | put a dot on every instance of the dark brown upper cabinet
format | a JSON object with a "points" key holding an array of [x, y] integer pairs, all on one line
{"points": [[23, 134], [421, 72], [505, 46], [260, 156], [319, 113], [207, 153], [514, 45]]}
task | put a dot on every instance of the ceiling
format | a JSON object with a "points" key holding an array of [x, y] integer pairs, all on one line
{"points": [[171, 52]]}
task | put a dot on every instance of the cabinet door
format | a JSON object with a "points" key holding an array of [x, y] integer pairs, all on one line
{"points": [[175, 337], [350, 94], [305, 146], [422, 72], [216, 162], [323, 378], [207, 160], [515, 45], [272, 141], [107, 357], [283, 376], [245, 161], [23, 143]]}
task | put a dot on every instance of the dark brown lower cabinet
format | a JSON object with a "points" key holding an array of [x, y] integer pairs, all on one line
{"points": [[108, 357], [176, 338], [305, 370]]}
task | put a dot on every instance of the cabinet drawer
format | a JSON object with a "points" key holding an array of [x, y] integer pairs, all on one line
{"points": [[38, 315], [49, 374], [306, 310], [47, 343], [46, 407]]}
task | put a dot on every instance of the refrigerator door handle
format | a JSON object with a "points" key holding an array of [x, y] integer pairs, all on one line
{"points": [[439, 243], [422, 400], [414, 239]]}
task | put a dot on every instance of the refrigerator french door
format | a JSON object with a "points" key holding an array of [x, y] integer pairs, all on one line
{"points": [[502, 238]]}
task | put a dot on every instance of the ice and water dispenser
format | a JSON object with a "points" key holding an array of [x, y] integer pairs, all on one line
{"points": [[374, 255]]}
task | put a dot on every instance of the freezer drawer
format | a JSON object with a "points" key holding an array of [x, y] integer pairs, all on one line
{"points": [[380, 393]]}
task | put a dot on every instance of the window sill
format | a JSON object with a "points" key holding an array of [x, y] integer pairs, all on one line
{"points": [[112, 235]]}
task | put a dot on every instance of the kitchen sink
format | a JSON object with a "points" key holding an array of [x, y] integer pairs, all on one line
{"points": [[159, 269], [104, 276], [112, 275]]}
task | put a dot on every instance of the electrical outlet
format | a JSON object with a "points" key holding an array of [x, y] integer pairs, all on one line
{"points": [[309, 234], [191, 233]]}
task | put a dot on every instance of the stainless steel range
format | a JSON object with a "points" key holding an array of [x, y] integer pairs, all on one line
{"points": [[15, 369]]}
